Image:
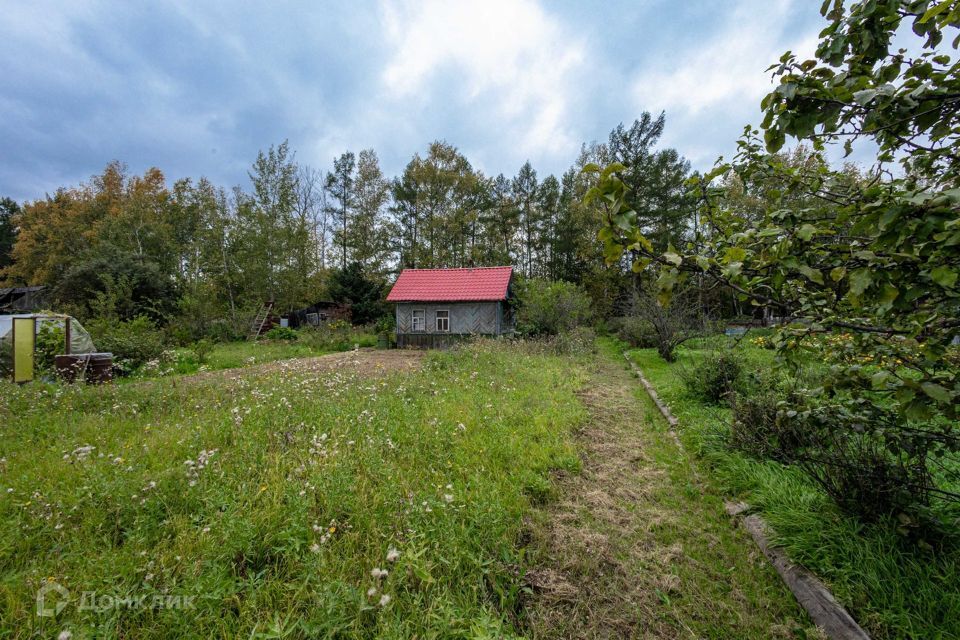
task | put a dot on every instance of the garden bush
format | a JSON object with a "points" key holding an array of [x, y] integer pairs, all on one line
{"points": [[549, 308], [714, 377], [761, 427], [637, 332], [281, 333], [133, 343]]}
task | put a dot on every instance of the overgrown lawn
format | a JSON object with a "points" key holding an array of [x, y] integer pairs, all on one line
{"points": [[267, 502]]}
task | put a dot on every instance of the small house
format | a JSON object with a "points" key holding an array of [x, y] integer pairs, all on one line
{"points": [[437, 307]]}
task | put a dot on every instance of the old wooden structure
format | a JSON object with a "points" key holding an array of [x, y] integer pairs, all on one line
{"points": [[435, 308]]}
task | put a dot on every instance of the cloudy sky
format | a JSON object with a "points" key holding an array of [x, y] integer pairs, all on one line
{"points": [[196, 88]]}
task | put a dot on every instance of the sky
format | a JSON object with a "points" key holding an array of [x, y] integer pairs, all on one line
{"points": [[196, 88]]}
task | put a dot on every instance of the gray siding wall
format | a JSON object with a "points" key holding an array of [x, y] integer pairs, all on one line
{"points": [[465, 317]]}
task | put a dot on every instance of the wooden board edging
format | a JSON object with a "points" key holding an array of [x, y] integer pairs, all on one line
{"points": [[810, 592]]}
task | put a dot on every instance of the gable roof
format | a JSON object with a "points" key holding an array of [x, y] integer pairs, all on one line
{"points": [[451, 285]]}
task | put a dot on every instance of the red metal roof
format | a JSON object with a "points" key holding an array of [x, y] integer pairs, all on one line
{"points": [[447, 285]]}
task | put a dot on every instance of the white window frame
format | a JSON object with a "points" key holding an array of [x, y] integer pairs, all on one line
{"points": [[313, 319], [446, 320], [420, 326]]}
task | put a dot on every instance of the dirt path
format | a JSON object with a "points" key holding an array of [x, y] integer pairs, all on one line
{"points": [[638, 546]]}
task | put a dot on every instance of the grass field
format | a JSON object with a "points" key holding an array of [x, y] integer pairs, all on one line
{"points": [[895, 589], [494, 491], [234, 355], [272, 497]]}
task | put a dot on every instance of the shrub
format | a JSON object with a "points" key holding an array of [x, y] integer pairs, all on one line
{"points": [[281, 333], [50, 342], [761, 427], [714, 377], [637, 332], [224, 331], [857, 468], [132, 342], [201, 349], [549, 308], [674, 321]]}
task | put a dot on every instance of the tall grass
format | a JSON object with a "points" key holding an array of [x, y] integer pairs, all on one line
{"points": [[266, 502], [893, 587]]}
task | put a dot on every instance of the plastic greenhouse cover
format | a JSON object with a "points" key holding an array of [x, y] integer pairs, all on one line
{"points": [[80, 340]]}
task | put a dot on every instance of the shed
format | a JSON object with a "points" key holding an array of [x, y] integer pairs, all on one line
{"points": [[437, 307], [22, 299]]}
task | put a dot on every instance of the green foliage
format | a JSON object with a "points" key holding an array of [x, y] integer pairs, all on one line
{"points": [[133, 343], [550, 308], [201, 349], [635, 331], [894, 588], [714, 379], [364, 294], [280, 333], [50, 342], [8, 229], [338, 335], [113, 284], [873, 258]]}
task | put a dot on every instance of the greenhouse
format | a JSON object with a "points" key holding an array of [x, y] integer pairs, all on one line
{"points": [[40, 335]]}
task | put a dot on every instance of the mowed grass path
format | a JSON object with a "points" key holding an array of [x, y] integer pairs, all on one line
{"points": [[356, 499]]}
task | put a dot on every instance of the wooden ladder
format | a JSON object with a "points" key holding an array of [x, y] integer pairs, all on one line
{"points": [[261, 319]]}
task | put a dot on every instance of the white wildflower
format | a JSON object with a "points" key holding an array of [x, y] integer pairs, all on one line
{"points": [[392, 555], [378, 573], [384, 600], [372, 591], [66, 634], [315, 548]]}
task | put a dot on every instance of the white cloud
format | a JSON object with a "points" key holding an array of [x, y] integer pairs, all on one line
{"points": [[729, 70], [511, 56]]}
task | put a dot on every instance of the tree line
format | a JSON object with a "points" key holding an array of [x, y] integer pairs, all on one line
{"points": [[133, 244]]}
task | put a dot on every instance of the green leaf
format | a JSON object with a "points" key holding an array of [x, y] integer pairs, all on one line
{"points": [[838, 273], [673, 258], [944, 276], [806, 232], [613, 167], [937, 392], [935, 10], [811, 273], [865, 96], [879, 379], [860, 280]]}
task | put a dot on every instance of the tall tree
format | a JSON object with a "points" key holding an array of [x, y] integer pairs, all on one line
{"points": [[341, 191], [548, 202], [656, 179], [524, 189], [368, 236], [8, 230]]}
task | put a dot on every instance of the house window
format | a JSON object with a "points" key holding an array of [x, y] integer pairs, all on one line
{"points": [[419, 320], [312, 319], [443, 321]]}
